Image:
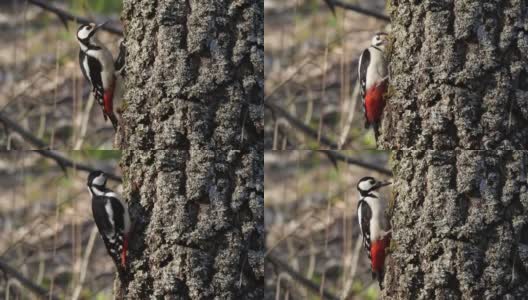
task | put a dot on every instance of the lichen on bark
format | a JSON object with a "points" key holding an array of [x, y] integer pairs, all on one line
{"points": [[460, 225], [194, 74], [459, 75], [198, 224]]}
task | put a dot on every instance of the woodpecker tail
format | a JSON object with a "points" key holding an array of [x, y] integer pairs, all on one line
{"points": [[375, 126], [113, 119], [379, 277]]}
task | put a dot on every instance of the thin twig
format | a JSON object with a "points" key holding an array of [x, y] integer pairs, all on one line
{"points": [[347, 6], [300, 125], [85, 117], [306, 218], [347, 289], [61, 160], [350, 118], [28, 136], [36, 289], [85, 261], [65, 16], [338, 156], [299, 278]]}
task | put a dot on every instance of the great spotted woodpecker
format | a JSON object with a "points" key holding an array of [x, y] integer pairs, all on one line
{"points": [[373, 224], [373, 77], [97, 66], [111, 217]]}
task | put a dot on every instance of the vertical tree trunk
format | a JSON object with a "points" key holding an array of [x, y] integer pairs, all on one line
{"points": [[199, 224], [460, 226], [459, 75], [194, 74]]}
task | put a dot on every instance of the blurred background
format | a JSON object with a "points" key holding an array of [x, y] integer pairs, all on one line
{"points": [[47, 233], [313, 240], [311, 59], [41, 84]]}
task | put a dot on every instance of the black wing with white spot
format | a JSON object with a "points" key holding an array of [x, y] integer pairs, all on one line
{"points": [[95, 78], [108, 215], [364, 61], [364, 215]]}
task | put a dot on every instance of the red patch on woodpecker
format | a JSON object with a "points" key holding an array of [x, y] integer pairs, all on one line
{"points": [[377, 254], [108, 99], [123, 253], [374, 102]]}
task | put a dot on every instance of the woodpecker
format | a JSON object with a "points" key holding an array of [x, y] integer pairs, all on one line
{"points": [[111, 217], [373, 224], [97, 66], [373, 76]]}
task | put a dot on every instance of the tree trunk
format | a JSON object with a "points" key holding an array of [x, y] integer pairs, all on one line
{"points": [[198, 224], [193, 75], [460, 226], [459, 75]]}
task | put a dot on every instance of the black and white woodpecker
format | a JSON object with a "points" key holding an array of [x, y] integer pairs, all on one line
{"points": [[373, 77], [98, 67], [111, 217], [373, 224]]}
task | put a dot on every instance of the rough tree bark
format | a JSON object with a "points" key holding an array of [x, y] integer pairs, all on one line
{"points": [[194, 74], [460, 225], [199, 224], [459, 75]]}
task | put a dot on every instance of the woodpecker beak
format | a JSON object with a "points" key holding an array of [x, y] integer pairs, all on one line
{"points": [[380, 184], [383, 37], [100, 25]]}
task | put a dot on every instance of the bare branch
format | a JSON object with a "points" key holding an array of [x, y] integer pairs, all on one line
{"points": [[61, 160], [28, 136], [299, 278], [36, 289], [66, 16], [338, 156], [299, 124], [338, 3]]}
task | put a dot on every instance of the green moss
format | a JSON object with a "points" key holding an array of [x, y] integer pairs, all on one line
{"points": [[96, 6], [372, 293], [124, 105], [393, 245], [102, 154], [391, 91]]}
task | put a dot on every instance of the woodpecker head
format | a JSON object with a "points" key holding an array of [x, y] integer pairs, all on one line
{"points": [[86, 32], [366, 185], [379, 40], [96, 182]]}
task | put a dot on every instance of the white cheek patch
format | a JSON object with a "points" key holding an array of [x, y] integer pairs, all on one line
{"points": [[100, 180], [364, 186], [83, 33]]}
